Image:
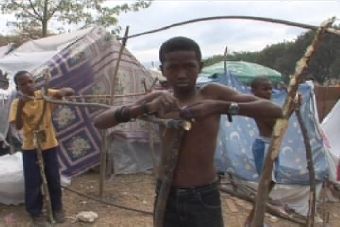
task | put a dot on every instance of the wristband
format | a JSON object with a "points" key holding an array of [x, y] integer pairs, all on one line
{"points": [[145, 109], [122, 114]]}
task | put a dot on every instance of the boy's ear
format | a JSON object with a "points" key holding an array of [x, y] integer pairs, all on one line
{"points": [[201, 66]]}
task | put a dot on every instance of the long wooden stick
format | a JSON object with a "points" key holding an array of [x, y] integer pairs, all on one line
{"points": [[271, 209], [38, 140], [168, 165], [264, 19], [45, 191], [281, 126], [310, 166], [105, 135]]}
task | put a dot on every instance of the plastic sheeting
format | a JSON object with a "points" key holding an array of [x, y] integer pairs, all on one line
{"points": [[331, 128], [12, 186], [132, 156], [234, 154], [11, 179]]}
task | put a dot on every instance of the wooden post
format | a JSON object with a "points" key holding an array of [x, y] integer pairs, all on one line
{"points": [[38, 137], [103, 155], [299, 219], [167, 168], [281, 126], [310, 166], [105, 135], [45, 191]]}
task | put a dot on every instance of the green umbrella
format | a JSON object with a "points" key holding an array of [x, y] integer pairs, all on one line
{"points": [[245, 71]]}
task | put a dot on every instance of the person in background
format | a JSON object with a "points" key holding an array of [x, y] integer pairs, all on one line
{"points": [[194, 199], [262, 88], [28, 113]]}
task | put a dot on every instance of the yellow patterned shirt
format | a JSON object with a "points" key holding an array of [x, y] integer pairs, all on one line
{"points": [[32, 111]]}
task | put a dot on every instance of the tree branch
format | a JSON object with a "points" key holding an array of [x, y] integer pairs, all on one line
{"points": [[22, 7], [277, 21], [281, 125], [55, 9], [310, 166], [34, 10]]}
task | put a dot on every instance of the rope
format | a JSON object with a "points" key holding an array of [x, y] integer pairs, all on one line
{"points": [[108, 203]]}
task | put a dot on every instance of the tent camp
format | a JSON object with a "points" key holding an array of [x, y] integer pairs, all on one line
{"points": [[244, 71], [84, 60]]}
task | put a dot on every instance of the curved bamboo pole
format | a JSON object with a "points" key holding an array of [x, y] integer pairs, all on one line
{"points": [[168, 165], [310, 166], [38, 138], [281, 126], [264, 19], [105, 135]]}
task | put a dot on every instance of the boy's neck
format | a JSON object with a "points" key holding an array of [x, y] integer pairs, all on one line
{"points": [[185, 95]]}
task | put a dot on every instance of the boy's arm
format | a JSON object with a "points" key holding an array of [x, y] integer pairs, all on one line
{"points": [[62, 92], [16, 112], [152, 103], [221, 98]]}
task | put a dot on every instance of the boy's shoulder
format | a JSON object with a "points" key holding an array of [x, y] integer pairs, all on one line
{"points": [[213, 89], [50, 92]]}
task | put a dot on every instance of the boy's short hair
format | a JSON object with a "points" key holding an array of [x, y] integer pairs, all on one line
{"points": [[258, 80], [177, 44], [18, 75]]}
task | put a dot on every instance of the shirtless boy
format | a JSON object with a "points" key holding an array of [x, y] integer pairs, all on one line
{"points": [[194, 198]]}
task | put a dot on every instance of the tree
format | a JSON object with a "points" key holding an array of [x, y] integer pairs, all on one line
{"points": [[35, 15]]}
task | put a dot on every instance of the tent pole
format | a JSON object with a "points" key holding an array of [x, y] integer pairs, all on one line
{"points": [[281, 125], [310, 166], [271, 208], [225, 60], [106, 138]]}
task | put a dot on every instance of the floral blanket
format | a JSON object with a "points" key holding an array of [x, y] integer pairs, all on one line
{"points": [[87, 66]]}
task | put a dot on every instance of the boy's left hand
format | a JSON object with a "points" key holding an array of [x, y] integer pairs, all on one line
{"points": [[198, 110]]}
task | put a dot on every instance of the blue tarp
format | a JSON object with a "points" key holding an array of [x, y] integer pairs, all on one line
{"points": [[235, 140]]}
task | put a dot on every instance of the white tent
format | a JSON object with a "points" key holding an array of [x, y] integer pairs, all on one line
{"points": [[331, 128]]}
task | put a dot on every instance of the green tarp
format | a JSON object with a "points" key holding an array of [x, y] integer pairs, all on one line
{"points": [[244, 71]]}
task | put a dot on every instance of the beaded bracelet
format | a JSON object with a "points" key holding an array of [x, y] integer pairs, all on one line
{"points": [[145, 109], [122, 114]]}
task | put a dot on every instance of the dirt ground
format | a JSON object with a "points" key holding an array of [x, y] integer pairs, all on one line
{"points": [[137, 192]]}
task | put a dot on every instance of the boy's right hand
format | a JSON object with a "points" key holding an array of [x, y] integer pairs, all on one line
{"points": [[163, 104], [23, 98]]}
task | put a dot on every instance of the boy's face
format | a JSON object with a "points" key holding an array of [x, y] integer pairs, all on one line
{"points": [[263, 90], [181, 69], [26, 84]]}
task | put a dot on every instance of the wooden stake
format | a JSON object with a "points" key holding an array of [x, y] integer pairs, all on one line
{"points": [[281, 126], [271, 209], [310, 166], [45, 191], [106, 135], [167, 168]]}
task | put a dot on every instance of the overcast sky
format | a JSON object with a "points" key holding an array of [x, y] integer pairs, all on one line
{"points": [[213, 36]]}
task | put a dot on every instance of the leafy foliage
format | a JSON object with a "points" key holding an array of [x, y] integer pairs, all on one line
{"points": [[34, 15]]}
